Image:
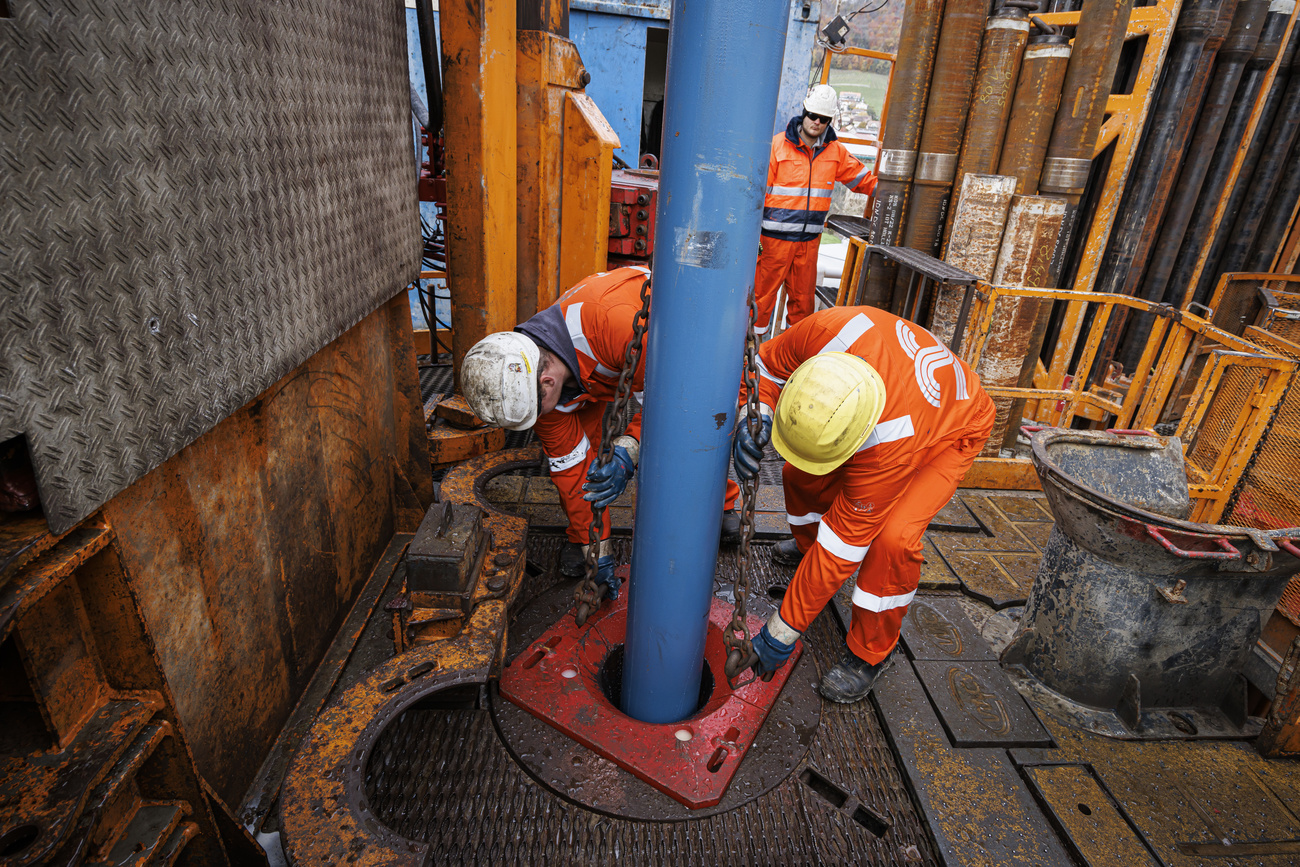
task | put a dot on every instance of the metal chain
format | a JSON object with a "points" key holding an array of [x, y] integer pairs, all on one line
{"points": [[588, 594], [736, 636]]}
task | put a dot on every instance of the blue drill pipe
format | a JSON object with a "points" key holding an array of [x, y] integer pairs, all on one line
{"points": [[724, 68]]}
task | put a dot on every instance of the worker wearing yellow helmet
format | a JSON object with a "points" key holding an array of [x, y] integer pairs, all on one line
{"points": [[877, 422]]}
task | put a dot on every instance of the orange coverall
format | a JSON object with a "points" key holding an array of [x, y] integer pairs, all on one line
{"points": [[869, 514], [799, 184], [596, 319]]}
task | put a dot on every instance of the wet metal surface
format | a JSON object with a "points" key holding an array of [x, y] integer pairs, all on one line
{"points": [[572, 771], [444, 777], [936, 628], [978, 705]]}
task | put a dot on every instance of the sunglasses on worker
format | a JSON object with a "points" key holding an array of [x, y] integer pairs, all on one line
{"points": [[820, 118]]}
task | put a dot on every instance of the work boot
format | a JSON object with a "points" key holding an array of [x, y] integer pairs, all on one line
{"points": [[786, 552], [852, 678], [572, 563], [730, 527]]}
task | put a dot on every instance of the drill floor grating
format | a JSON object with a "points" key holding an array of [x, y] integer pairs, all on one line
{"points": [[443, 776]]}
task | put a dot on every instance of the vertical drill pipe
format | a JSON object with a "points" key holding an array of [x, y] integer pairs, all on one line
{"points": [[901, 133], [1038, 92], [1239, 50], [1186, 72], [1205, 246], [724, 67], [1005, 35], [945, 121], [1272, 230], [1089, 76], [1263, 182]]}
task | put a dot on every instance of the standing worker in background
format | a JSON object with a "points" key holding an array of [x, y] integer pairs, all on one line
{"points": [[878, 423], [806, 162], [556, 373]]}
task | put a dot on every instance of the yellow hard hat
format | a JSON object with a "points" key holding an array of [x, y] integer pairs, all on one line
{"points": [[826, 411]]}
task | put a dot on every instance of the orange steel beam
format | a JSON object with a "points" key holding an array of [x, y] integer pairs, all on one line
{"points": [[586, 170], [1126, 114], [1240, 158], [478, 50]]}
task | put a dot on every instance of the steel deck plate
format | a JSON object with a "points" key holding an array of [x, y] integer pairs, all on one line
{"points": [[978, 705], [936, 627]]}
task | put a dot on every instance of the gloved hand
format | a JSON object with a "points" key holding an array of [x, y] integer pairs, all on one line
{"points": [[606, 578], [747, 452], [772, 653], [606, 481]]}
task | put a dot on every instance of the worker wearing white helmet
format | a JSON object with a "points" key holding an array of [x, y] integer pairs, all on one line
{"points": [[805, 165], [878, 423], [556, 373]]}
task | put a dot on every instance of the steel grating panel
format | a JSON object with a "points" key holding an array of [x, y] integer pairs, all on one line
{"points": [[195, 197], [443, 775]]}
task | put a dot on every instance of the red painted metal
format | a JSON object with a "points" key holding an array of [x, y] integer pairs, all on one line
{"points": [[556, 680], [633, 199], [1228, 552]]}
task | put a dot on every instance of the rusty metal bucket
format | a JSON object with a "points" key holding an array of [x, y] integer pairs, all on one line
{"points": [[1134, 606]]}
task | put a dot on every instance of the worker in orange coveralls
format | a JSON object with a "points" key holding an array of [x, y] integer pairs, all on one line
{"points": [[878, 422], [556, 373], [806, 162]]}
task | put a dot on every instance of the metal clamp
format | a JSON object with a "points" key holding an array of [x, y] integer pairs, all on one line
{"points": [[1229, 551]]}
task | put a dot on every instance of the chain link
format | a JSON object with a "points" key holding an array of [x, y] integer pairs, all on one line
{"points": [[588, 594], [736, 636]]}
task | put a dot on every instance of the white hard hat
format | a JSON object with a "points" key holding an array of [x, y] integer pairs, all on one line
{"points": [[499, 379], [821, 100]]}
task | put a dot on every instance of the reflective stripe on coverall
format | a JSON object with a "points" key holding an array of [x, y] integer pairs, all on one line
{"points": [[598, 312], [799, 185], [869, 515]]}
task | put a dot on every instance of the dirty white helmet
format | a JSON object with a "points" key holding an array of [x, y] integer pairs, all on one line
{"points": [[499, 379], [821, 100]]}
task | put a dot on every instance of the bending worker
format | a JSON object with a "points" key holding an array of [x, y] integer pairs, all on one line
{"points": [[878, 422], [556, 373], [806, 162]]}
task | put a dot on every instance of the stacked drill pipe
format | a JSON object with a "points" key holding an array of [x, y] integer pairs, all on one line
{"points": [[979, 218], [902, 132], [945, 120], [1252, 24], [1273, 230], [1186, 71], [1089, 74], [1263, 181], [1005, 36], [1088, 78], [1038, 92], [1214, 198]]}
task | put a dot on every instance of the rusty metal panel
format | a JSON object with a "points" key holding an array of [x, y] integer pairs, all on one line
{"points": [[978, 705], [977, 808], [246, 548], [171, 171], [1095, 826], [937, 628]]}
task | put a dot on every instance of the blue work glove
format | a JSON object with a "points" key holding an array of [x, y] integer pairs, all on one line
{"points": [[605, 576], [606, 481], [772, 654], [747, 452]]}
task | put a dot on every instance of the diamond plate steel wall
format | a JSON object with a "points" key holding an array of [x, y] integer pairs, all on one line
{"points": [[195, 197]]}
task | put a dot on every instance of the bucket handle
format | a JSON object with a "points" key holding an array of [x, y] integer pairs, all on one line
{"points": [[1129, 432], [1229, 551], [1288, 546]]}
